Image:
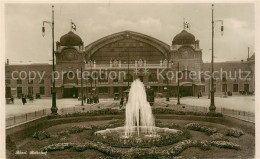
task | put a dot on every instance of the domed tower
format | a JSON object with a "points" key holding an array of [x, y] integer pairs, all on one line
{"points": [[70, 48], [69, 58], [185, 50]]}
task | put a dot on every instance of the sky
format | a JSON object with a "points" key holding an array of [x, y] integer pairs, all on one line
{"points": [[23, 23]]}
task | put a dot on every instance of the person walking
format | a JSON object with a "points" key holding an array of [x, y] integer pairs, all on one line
{"points": [[12, 99], [23, 100], [84, 98], [121, 101]]}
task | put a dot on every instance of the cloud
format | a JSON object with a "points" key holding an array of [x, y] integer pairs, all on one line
{"points": [[124, 23], [151, 23]]}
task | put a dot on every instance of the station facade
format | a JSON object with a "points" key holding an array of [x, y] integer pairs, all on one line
{"points": [[131, 55]]}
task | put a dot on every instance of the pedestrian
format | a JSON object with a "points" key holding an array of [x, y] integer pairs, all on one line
{"points": [[84, 98], [12, 99], [91, 99], [121, 101], [23, 100], [88, 100], [97, 99], [198, 95]]}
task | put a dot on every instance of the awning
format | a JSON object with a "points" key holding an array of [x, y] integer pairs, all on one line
{"points": [[185, 84], [199, 84], [70, 85], [127, 91]]}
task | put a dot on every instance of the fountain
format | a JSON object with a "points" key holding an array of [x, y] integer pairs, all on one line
{"points": [[138, 114], [139, 120]]}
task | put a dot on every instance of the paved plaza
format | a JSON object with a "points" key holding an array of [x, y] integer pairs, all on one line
{"points": [[244, 103]]}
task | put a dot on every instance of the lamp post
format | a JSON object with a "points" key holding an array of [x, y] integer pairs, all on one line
{"points": [[128, 70], [167, 82], [81, 80], [91, 80], [212, 106], [178, 102], [54, 108]]}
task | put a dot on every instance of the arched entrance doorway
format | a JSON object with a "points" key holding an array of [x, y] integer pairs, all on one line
{"points": [[70, 83]]}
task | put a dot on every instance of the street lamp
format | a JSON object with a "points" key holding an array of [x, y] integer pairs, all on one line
{"points": [[167, 82], [128, 76], [212, 106], [54, 108], [178, 102], [81, 83]]}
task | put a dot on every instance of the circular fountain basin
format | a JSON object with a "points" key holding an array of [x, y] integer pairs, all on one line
{"points": [[117, 137], [121, 131]]}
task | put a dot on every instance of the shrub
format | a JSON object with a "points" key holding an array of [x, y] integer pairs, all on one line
{"points": [[107, 111], [40, 135], [172, 111], [234, 132], [214, 114]]}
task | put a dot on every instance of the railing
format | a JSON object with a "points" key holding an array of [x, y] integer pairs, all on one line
{"points": [[123, 65], [23, 118], [243, 115], [18, 119]]}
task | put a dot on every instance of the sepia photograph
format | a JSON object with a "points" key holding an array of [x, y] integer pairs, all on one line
{"points": [[129, 80]]}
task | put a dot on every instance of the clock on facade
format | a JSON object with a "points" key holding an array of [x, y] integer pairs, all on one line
{"points": [[69, 54], [186, 53]]}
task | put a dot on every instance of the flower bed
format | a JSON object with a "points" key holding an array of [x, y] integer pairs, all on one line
{"points": [[73, 130], [109, 111], [172, 111], [218, 137], [234, 132], [40, 135], [57, 147], [225, 144], [165, 139], [197, 127], [154, 152]]}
